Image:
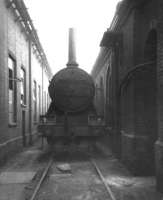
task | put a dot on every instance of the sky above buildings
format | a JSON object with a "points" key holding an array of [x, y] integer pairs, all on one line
{"points": [[52, 18]]}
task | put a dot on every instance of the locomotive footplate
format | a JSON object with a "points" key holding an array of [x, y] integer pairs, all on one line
{"points": [[74, 134], [77, 131]]}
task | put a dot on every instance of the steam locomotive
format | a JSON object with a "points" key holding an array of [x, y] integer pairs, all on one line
{"points": [[71, 117]]}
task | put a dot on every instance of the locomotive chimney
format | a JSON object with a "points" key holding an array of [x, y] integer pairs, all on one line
{"points": [[72, 49]]}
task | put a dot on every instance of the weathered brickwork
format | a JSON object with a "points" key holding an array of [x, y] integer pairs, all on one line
{"points": [[3, 70], [159, 142], [15, 41], [135, 98]]}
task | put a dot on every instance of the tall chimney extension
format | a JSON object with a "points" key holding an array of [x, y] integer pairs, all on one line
{"points": [[72, 49]]}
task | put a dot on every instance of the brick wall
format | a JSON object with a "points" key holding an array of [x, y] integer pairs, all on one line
{"points": [[159, 143], [3, 70], [141, 110], [130, 110], [14, 41], [17, 47]]}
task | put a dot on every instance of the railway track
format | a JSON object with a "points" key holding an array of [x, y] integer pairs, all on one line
{"points": [[44, 174], [52, 163], [109, 191]]}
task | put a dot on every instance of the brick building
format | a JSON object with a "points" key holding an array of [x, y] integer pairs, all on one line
{"points": [[24, 77], [128, 77]]}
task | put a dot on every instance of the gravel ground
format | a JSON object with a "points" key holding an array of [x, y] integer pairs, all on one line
{"points": [[123, 184], [81, 183]]}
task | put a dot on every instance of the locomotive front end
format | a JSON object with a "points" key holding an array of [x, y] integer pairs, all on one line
{"points": [[71, 117]]}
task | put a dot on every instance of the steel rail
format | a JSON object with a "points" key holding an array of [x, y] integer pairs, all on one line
{"points": [[41, 180], [103, 180]]}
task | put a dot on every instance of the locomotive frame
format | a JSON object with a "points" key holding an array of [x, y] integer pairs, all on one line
{"points": [[71, 117], [66, 134]]}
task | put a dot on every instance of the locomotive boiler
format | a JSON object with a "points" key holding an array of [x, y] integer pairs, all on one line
{"points": [[71, 117]]}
